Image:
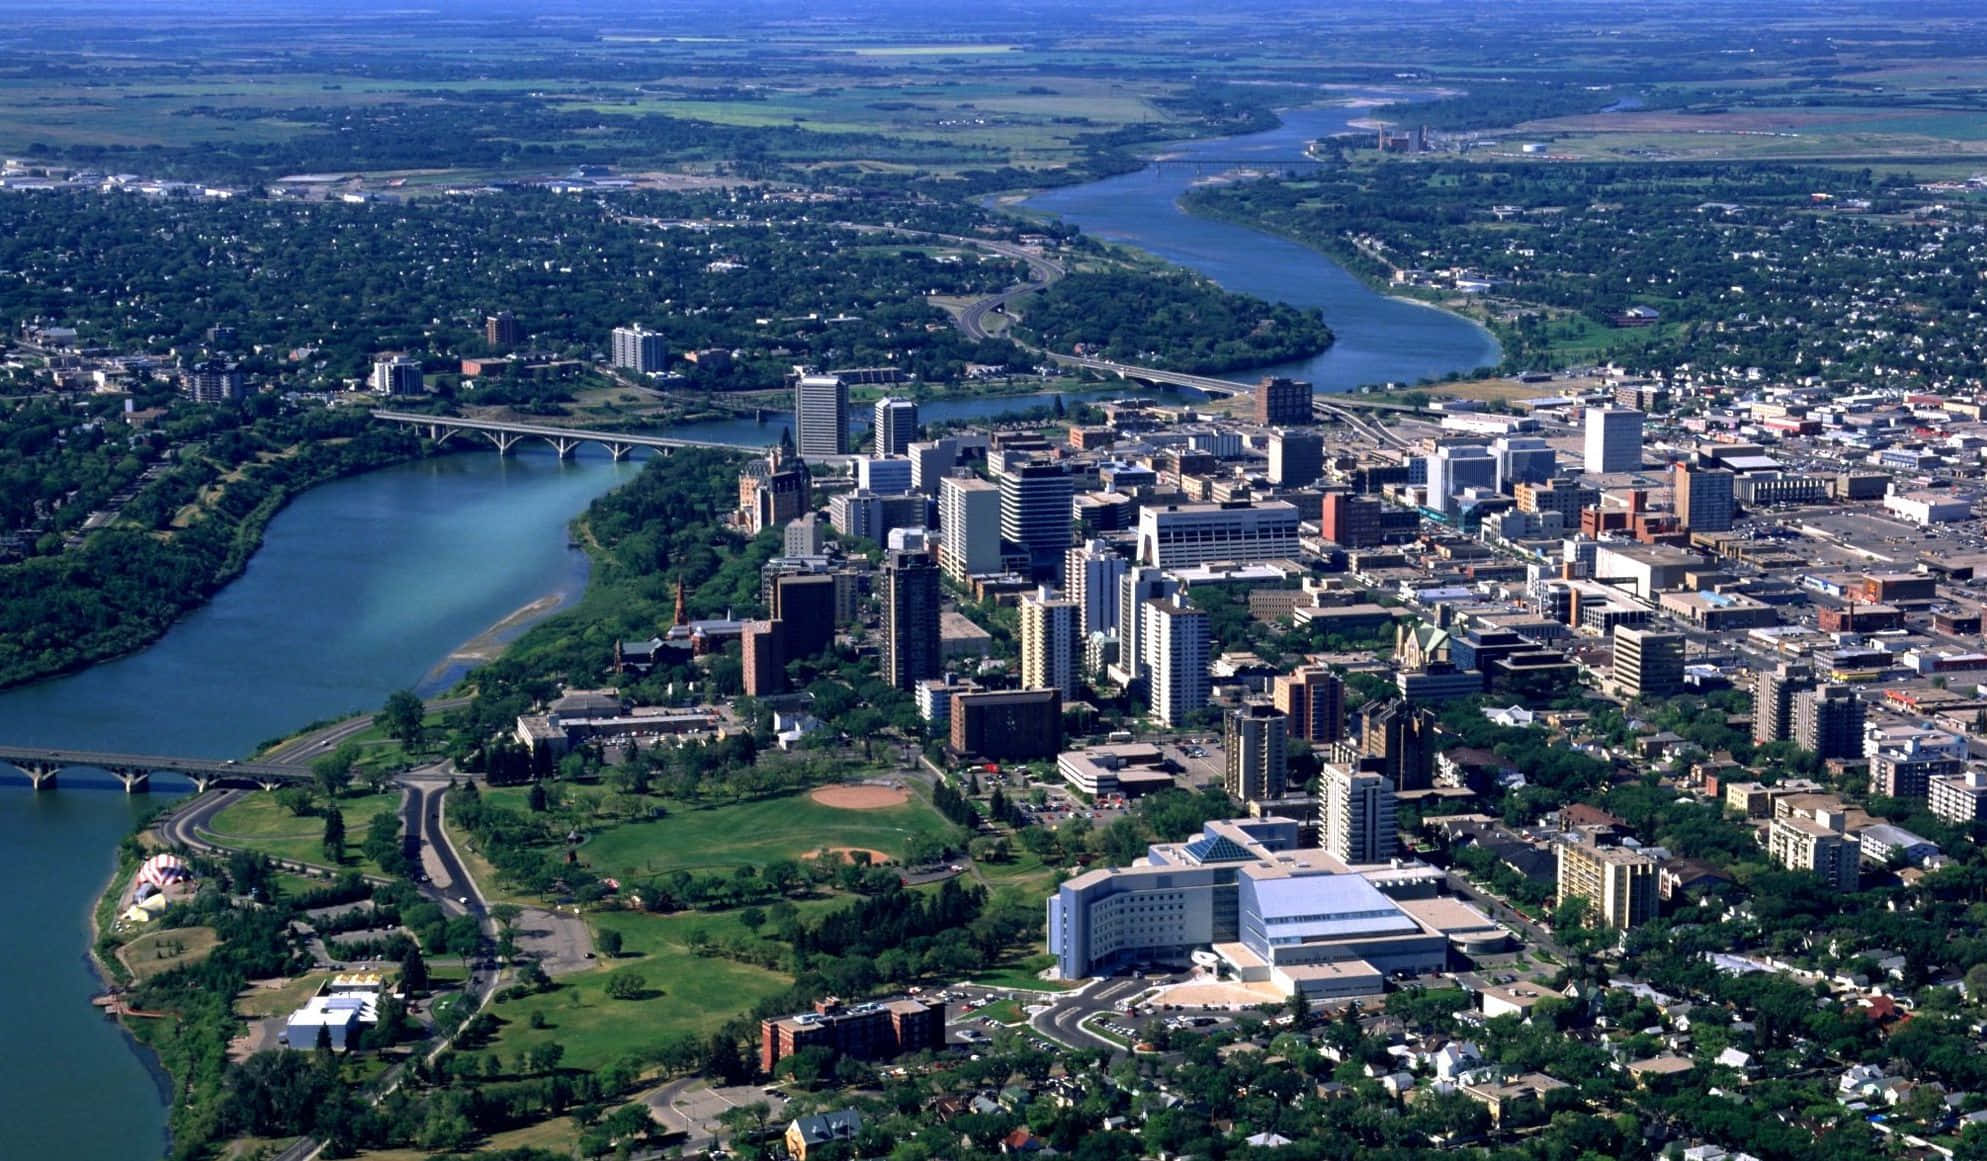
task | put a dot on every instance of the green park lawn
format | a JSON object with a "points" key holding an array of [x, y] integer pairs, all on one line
{"points": [[726, 837], [259, 823], [687, 994]]}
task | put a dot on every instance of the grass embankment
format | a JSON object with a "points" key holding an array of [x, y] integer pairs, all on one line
{"points": [[261, 824]]}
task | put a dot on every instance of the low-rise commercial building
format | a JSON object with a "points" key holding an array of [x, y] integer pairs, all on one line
{"points": [[877, 1031]]}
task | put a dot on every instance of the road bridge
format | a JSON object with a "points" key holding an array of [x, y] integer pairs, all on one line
{"points": [[505, 434], [136, 770]]}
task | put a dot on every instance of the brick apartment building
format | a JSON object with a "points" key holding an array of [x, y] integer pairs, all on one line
{"points": [[876, 1031]]}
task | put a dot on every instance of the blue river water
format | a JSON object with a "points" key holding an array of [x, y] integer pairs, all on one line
{"points": [[367, 585]]}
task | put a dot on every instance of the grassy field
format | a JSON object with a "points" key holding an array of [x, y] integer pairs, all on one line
{"points": [[161, 951], [687, 994], [726, 837], [559, 1135], [259, 823], [258, 1002]]}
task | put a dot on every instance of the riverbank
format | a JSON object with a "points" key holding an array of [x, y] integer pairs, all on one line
{"points": [[490, 644], [113, 560], [1347, 257]]}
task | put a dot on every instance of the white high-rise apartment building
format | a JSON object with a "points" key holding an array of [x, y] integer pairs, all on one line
{"points": [[1137, 586], [1356, 814], [969, 524], [1177, 648], [1614, 439], [1090, 576], [1048, 643], [639, 349], [1183, 535], [896, 425], [821, 416]]}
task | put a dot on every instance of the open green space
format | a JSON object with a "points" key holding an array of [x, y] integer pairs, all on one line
{"points": [[258, 822], [685, 994], [756, 833]]}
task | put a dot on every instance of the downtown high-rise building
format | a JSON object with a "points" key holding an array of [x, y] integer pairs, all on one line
{"points": [[1704, 501], [895, 425], [1613, 439], [1035, 510], [911, 650], [1256, 747], [1828, 721], [1090, 576], [1175, 638], [1048, 643], [821, 416], [1138, 585], [969, 526], [1356, 814], [1313, 698], [1773, 692]]}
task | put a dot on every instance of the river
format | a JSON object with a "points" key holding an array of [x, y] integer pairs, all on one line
{"points": [[366, 585], [1380, 339]]}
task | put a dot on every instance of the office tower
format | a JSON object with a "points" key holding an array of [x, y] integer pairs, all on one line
{"points": [[1828, 721], [213, 381], [1355, 814], [1296, 458], [895, 425], [1313, 698], [1453, 467], [1351, 521], [910, 619], [1090, 576], [821, 415], [1257, 737], [1006, 725], [1703, 498], [1137, 586], [804, 603], [932, 461], [502, 330], [397, 375], [1523, 459], [1183, 535], [1400, 739], [1174, 636], [1035, 510], [805, 536], [1282, 402], [886, 476], [1618, 884], [1647, 663], [1773, 701], [639, 349], [969, 522], [1048, 643], [1614, 439]]}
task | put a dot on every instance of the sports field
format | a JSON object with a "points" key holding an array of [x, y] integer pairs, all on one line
{"points": [[726, 837]]}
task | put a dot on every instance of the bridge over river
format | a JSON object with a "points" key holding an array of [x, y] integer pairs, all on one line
{"points": [[136, 770]]}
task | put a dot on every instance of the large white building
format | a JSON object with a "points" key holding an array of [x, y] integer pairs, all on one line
{"points": [[1138, 585], [1614, 439], [969, 524], [931, 461], [397, 375], [1177, 650], [1048, 643], [639, 349], [895, 425], [1181, 535], [821, 416], [1090, 576], [1356, 814], [1245, 893]]}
